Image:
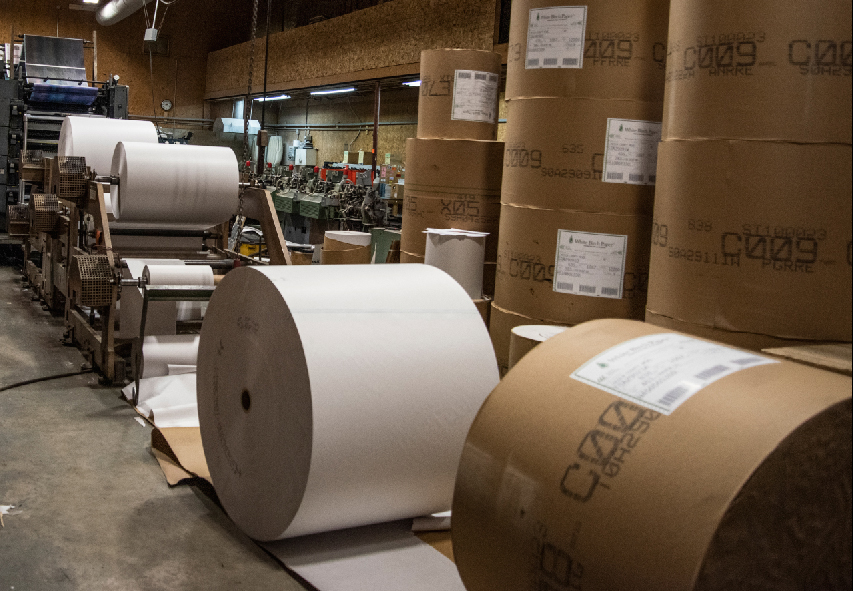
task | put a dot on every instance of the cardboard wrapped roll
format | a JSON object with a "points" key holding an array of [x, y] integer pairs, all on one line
{"points": [[346, 248], [759, 71], [466, 108], [501, 323], [524, 338], [320, 440], [761, 245], [622, 50], [528, 280], [452, 184], [746, 484], [555, 155]]}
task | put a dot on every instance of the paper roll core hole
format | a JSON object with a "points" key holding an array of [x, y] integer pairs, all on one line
{"points": [[246, 400]]}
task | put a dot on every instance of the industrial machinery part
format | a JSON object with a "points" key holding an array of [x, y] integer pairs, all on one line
{"points": [[18, 220], [72, 178], [91, 281], [44, 212]]}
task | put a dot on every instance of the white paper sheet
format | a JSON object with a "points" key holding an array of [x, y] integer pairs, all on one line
{"points": [[383, 557]]}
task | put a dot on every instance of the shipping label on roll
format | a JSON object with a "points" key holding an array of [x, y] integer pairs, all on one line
{"points": [[555, 37], [590, 264], [631, 152], [475, 96], [663, 371]]}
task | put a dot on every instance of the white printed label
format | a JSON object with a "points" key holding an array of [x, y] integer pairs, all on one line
{"points": [[631, 152], [590, 264], [555, 37], [475, 96], [662, 371]]}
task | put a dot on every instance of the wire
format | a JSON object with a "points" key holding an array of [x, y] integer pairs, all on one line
{"points": [[44, 379]]}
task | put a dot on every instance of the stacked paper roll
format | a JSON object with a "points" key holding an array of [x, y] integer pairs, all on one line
{"points": [[460, 254], [621, 456], [585, 89], [454, 166], [753, 215], [173, 185], [525, 337], [281, 439], [95, 138], [346, 248]]}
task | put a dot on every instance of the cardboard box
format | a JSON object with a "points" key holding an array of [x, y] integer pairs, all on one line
{"points": [[436, 101], [527, 249], [563, 485], [759, 70], [754, 237], [554, 155], [623, 54], [452, 184]]}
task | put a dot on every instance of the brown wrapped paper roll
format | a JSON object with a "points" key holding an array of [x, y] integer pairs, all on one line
{"points": [[522, 339], [346, 248], [713, 469], [459, 94]]}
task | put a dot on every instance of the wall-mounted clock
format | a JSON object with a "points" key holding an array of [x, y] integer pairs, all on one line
{"points": [[166, 105]]}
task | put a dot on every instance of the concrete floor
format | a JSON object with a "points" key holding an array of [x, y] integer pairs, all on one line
{"points": [[92, 508]]}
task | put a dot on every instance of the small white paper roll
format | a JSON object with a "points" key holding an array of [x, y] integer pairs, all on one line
{"points": [[460, 254], [350, 237], [320, 412], [161, 352], [173, 185], [95, 138]]}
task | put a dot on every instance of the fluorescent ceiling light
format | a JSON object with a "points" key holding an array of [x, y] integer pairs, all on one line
{"points": [[91, 1], [412, 83], [333, 91], [280, 97]]}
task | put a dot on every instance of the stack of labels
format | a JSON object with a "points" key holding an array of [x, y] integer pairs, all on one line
{"points": [[346, 248], [169, 355], [523, 338], [95, 139], [620, 456], [379, 373], [173, 185], [460, 254]]}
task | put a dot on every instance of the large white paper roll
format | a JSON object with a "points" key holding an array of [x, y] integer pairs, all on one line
{"points": [[174, 185], [333, 397], [460, 254], [181, 275], [95, 138], [161, 352]]}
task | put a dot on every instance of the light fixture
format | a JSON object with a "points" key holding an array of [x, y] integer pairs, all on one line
{"points": [[91, 1], [280, 97], [333, 91], [412, 83]]}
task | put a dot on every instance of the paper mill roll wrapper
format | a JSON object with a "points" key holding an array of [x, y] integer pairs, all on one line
{"points": [[740, 477], [95, 138], [459, 94], [460, 254], [761, 245], [582, 154], [162, 352], [524, 338], [173, 185], [320, 440], [759, 70], [568, 267], [346, 248], [605, 49]]}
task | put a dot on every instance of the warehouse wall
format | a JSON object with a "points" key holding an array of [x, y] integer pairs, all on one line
{"points": [[195, 28]]}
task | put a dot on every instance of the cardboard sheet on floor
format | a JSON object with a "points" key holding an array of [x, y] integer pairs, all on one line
{"points": [[180, 454]]}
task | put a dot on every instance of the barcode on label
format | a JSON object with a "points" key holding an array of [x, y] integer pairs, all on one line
{"points": [[673, 395], [587, 288], [465, 75], [636, 178], [711, 372], [565, 286], [609, 291], [615, 176], [550, 61], [480, 77], [570, 61], [747, 361], [533, 62], [493, 78], [653, 178]]}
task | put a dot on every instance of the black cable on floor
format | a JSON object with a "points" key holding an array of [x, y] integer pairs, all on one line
{"points": [[44, 379]]}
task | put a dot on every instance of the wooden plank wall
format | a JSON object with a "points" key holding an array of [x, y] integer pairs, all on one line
{"points": [[196, 27]]}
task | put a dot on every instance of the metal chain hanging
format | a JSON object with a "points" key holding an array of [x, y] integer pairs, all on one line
{"points": [[247, 103]]}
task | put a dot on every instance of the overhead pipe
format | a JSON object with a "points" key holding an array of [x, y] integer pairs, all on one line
{"points": [[117, 10]]}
